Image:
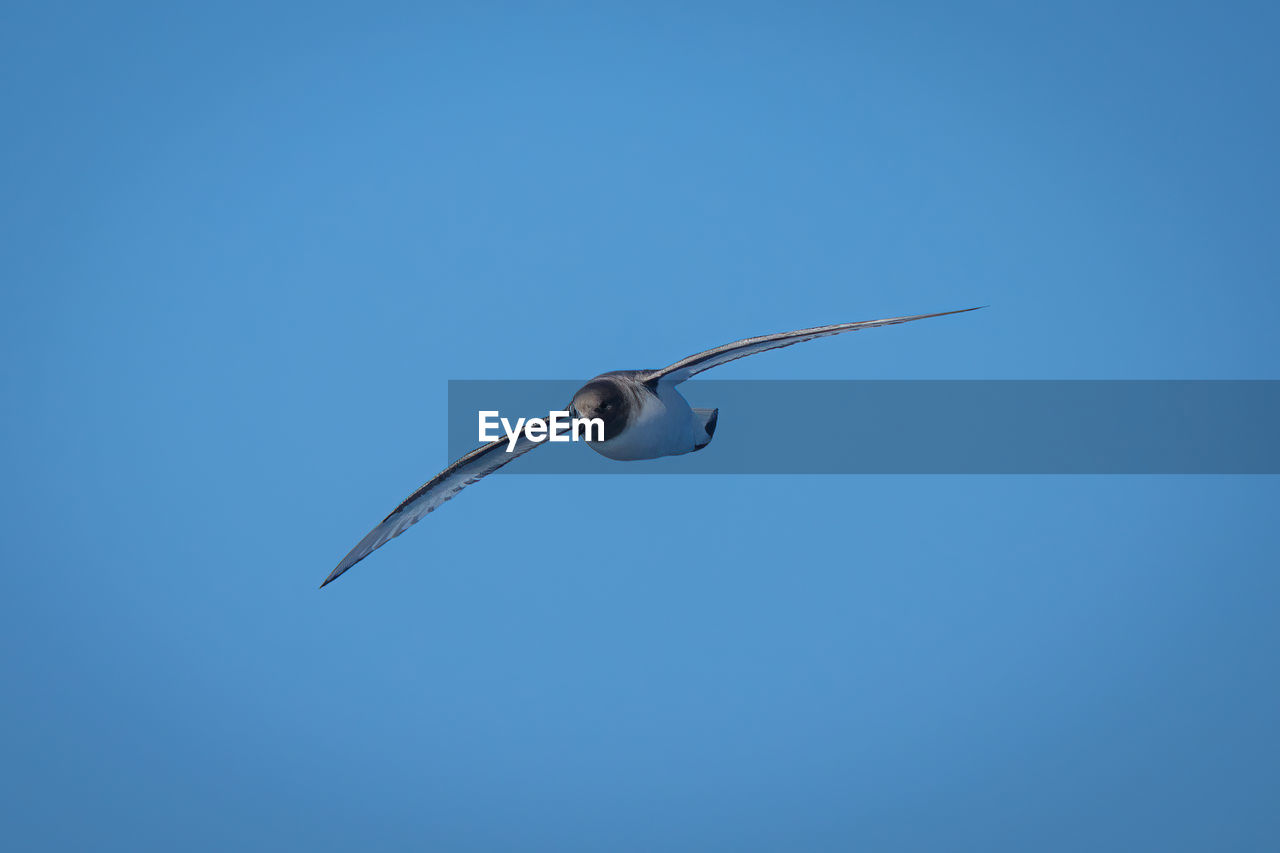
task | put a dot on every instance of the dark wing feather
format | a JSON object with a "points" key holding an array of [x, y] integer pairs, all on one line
{"points": [[695, 364], [478, 463]]}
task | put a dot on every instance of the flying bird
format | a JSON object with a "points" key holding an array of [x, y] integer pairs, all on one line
{"points": [[644, 417]]}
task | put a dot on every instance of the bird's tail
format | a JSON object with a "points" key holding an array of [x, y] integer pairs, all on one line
{"points": [[707, 418]]}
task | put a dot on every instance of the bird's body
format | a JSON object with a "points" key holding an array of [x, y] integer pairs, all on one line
{"points": [[644, 417], [659, 421]]}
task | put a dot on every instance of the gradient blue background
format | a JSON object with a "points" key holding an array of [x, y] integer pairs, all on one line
{"points": [[244, 247]]}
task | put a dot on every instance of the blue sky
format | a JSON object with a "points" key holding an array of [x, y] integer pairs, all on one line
{"points": [[245, 246]]}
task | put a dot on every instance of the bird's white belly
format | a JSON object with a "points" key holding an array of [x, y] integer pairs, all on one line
{"points": [[665, 426]]}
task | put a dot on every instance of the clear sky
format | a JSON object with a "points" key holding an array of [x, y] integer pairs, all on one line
{"points": [[244, 247]]}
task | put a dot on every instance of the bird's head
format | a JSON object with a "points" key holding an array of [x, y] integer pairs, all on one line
{"points": [[605, 399]]}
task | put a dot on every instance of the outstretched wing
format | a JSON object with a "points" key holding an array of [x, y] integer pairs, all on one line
{"points": [[695, 364], [478, 463]]}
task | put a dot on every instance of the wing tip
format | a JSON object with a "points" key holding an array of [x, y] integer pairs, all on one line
{"points": [[948, 313], [334, 575]]}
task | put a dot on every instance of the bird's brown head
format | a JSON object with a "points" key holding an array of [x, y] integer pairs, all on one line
{"points": [[607, 400]]}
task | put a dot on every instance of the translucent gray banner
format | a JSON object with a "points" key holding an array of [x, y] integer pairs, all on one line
{"points": [[925, 427]]}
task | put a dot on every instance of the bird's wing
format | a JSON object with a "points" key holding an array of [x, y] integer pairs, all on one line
{"points": [[695, 364], [478, 463]]}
